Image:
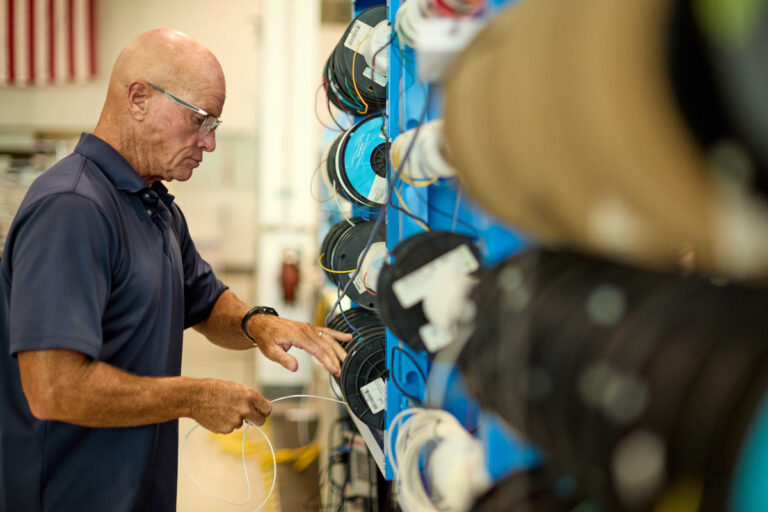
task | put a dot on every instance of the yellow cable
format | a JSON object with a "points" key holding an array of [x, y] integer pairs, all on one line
{"points": [[413, 183], [405, 207], [354, 56], [320, 260]]}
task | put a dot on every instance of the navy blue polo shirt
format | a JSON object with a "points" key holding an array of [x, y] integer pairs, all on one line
{"points": [[95, 261]]}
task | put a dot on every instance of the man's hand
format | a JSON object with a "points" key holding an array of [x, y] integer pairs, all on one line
{"points": [[224, 406], [276, 335]]}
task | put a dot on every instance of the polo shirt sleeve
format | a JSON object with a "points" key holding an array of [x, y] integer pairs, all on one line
{"points": [[201, 286], [61, 268]]}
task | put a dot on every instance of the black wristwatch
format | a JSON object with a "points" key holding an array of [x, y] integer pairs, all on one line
{"points": [[258, 310]]}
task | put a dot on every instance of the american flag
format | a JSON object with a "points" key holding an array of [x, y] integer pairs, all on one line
{"points": [[47, 41]]}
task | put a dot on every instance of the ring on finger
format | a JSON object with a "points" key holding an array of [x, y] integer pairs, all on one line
{"points": [[319, 333]]}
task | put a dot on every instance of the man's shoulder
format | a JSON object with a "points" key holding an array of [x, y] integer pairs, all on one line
{"points": [[73, 174]]}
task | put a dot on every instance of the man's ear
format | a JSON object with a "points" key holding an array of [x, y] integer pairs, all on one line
{"points": [[138, 94]]}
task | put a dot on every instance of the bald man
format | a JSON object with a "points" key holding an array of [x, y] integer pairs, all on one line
{"points": [[100, 278]]}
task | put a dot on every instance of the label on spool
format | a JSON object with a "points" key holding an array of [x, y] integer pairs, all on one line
{"points": [[357, 32], [435, 337], [377, 77], [370, 267], [378, 191], [375, 394], [411, 289]]}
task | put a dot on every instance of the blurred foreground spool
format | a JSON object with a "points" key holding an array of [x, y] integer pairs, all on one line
{"points": [[641, 385], [560, 119]]}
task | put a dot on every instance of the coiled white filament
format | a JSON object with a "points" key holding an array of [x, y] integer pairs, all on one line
{"points": [[416, 428], [425, 160], [245, 469]]}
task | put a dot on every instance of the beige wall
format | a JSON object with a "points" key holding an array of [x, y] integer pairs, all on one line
{"points": [[228, 27]]}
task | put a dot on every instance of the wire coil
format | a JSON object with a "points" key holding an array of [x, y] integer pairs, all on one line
{"points": [[350, 83], [364, 372], [609, 369], [424, 271], [341, 257], [357, 163]]}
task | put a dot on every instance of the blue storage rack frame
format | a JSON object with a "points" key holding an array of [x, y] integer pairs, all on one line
{"points": [[443, 206]]}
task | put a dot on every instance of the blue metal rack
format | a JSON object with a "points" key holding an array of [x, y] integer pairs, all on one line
{"points": [[444, 206]]}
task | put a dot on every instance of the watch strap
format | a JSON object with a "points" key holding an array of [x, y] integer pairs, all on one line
{"points": [[257, 310]]}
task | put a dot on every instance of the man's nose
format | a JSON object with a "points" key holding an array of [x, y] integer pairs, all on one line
{"points": [[207, 140]]}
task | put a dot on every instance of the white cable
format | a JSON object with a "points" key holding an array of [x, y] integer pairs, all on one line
{"points": [[414, 432], [245, 469], [426, 160]]}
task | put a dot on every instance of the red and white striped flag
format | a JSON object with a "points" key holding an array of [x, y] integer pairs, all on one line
{"points": [[47, 41]]}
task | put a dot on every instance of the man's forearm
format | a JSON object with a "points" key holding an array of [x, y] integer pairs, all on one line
{"points": [[95, 394], [273, 335], [65, 385], [222, 326]]}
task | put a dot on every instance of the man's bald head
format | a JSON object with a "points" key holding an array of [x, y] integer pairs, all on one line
{"points": [[168, 57], [156, 135]]}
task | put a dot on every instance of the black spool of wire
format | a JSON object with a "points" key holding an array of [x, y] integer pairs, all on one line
{"points": [[357, 163], [615, 371], [341, 256], [364, 372], [350, 83], [419, 265], [534, 490]]}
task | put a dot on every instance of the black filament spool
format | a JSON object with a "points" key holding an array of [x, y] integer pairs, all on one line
{"points": [[364, 364], [408, 256], [342, 77], [675, 338], [365, 361], [329, 246], [346, 255]]}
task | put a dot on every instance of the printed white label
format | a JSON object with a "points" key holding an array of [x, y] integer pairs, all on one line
{"points": [[357, 33], [377, 77], [375, 394], [378, 192], [412, 288], [434, 337], [370, 268]]}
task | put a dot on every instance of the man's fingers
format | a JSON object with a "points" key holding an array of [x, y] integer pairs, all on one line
{"points": [[256, 418], [337, 335], [261, 404], [282, 357], [320, 346], [338, 350]]}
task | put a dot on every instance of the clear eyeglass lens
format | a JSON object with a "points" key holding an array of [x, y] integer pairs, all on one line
{"points": [[209, 124]]}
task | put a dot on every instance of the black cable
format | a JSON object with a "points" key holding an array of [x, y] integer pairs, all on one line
{"points": [[416, 400]]}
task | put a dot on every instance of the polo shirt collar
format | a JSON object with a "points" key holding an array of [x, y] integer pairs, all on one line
{"points": [[111, 163]]}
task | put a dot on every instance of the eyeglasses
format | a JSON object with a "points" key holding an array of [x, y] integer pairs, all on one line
{"points": [[208, 123]]}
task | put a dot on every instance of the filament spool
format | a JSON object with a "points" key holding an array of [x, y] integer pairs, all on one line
{"points": [[351, 85], [605, 367], [364, 372], [599, 157], [342, 250], [357, 164], [421, 265]]}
